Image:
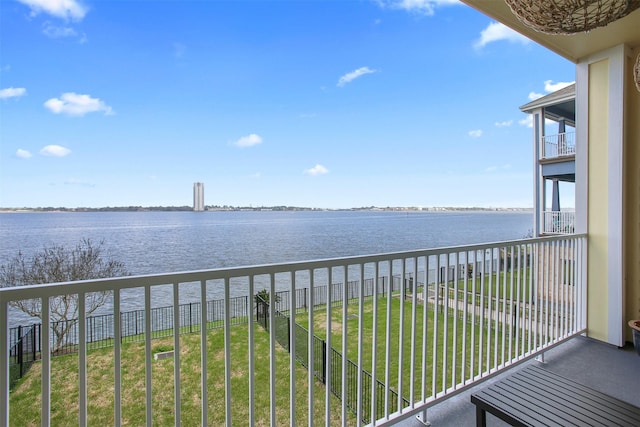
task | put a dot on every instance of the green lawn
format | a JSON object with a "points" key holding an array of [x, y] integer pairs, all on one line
{"points": [[444, 348], [488, 352], [25, 397]]}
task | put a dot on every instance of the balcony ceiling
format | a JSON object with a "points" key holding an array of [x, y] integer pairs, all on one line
{"points": [[558, 105], [572, 47]]}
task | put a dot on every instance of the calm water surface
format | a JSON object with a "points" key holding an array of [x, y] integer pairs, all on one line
{"points": [[160, 242]]}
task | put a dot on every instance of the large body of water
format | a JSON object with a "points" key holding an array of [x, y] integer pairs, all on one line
{"points": [[160, 242]]}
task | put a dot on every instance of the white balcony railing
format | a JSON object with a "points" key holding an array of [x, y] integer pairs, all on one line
{"points": [[402, 331], [559, 222], [563, 144]]}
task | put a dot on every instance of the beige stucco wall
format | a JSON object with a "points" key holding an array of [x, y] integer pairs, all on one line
{"points": [[631, 204], [598, 199]]}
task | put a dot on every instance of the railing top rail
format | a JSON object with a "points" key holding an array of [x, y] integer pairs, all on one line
{"points": [[555, 135], [108, 284]]}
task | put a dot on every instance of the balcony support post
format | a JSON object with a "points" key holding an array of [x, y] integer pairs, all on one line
{"points": [[422, 417]]}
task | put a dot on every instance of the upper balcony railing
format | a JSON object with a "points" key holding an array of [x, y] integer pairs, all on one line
{"points": [[559, 222], [392, 335], [562, 144]]}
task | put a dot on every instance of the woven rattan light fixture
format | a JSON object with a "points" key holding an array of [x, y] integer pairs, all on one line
{"points": [[570, 16], [636, 72]]}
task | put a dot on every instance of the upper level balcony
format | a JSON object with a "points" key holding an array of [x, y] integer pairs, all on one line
{"points": [[371, 339], [561, 145], [559, 222]]}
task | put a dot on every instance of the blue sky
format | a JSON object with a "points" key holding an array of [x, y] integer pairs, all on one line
{"points": [[331, 104]]}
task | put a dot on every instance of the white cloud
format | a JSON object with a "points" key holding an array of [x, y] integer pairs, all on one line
{"points": [[65, 9], [55, 151], [497, 32], [527, 121], [533, 96], [504, 124], [23, 154], [74, 104], [12, 92], [475, 133], [317, 170], [349, 77], [549, 86], [248, 141], [425, 7], [55, 32]]}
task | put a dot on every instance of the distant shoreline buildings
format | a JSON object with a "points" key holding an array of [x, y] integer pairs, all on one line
{"points": [[198, 196]]}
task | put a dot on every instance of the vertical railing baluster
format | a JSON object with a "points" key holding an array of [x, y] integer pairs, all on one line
{"points": [[147, 347], [292, 349], [328, 371], [497, 301], [374, 343], [82, 360], [387, 342], [176, 354], [360, 391], [436, 329], [204, 399], [504, 268], [465, 318], [561, 286], [272, 351], [414, 332], [401, 334], [534, 284], [345, 337], [490, 331], [481, 314], [117, 362], [45, 336], [425, 337], [4, 362], [511, 318], [571, 285], [554, 290], [227, 352], [445, 329], [454, 336], [519, 307], [547, 309], [474, 309], [311, 349]]}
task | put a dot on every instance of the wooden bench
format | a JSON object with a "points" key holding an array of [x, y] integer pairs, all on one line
{"points": [[537, 397]]}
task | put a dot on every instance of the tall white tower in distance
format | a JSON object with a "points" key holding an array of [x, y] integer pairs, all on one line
{"points": [[198, 196]]}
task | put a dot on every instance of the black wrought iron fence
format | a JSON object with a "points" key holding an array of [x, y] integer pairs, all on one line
{"points": [[283, 298], [100, 328], [322, 356], [23, 352], [25, 341]]}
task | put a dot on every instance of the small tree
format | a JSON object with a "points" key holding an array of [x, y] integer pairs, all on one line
{"points": [[60, 264], [262, 298]]}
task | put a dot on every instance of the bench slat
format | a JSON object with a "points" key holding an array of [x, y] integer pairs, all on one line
{"points": [[537, 397], [608, 410]]}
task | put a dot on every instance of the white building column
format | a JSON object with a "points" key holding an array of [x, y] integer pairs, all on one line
{"points": [[599, 189]]}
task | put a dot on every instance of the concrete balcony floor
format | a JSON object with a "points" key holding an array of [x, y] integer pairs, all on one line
{"points": [[603, 367]]}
